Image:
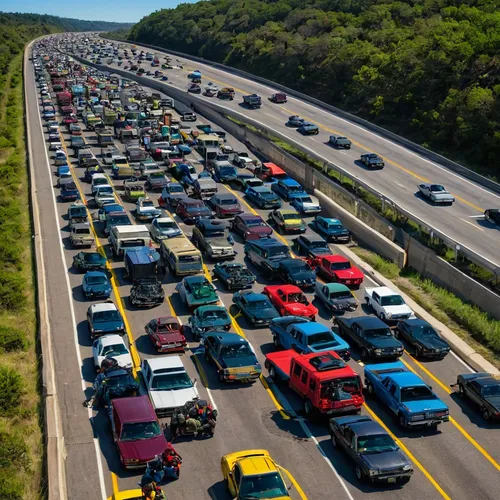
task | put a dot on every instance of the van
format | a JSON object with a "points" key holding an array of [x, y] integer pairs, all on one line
{"points": [[181, 256], [122, 237], [98, 180]]}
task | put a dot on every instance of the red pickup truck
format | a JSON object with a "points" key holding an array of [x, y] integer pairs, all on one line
{"points": [[323, 380]]}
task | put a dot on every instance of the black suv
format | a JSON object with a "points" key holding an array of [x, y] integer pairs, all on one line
{"points": [[266, 254]]}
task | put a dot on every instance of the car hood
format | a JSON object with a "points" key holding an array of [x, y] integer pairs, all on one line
{"points": [[388, 460], [349, 274], [169, 338], [240, 362], [351, 301], [260, 230], [265, 313], [385, 342], [402, 309], [108, 326], [442, 196], [433, 342], [173, 399], [427, 405], [494, 401], [144, 450], [99, 288], [219, 244], [304, 276]]}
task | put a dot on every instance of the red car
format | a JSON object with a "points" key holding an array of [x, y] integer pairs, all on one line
{"points": [[278, 98], [166, 334], [251, 227], [290, 300], [70, 119], [339, 269]]}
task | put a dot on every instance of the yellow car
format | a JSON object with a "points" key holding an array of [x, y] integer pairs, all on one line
{"points": [[128, 495], [254, 474], [287, 220]]}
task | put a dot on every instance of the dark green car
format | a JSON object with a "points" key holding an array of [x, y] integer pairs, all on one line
{"points": [[208, 319]]}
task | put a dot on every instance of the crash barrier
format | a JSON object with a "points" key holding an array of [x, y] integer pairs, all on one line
{"points": [[426, 153], [449, 276]]}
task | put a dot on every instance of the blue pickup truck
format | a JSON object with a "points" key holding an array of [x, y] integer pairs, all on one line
{"points": [[406, 394]]}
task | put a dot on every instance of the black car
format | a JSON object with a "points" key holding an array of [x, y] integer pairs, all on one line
{"points": [[118, 383], [89, 261], [492, 215], [147, 292], [372, 160], [376, 456], [234, 275], [256, 307], [422, 336], [483, 389], [310, 246], [372, 336], [294, 121], [296, 272]]}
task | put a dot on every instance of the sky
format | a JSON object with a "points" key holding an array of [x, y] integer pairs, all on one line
{"points": [[109, 10]]}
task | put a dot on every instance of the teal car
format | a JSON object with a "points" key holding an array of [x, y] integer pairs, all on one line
{"points": [[208, 319], [196, 291]]}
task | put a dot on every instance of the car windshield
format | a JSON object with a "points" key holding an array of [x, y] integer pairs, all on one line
{"points": [[334, 227], [102, 316], [228, 171], [319, 246], [379, 443], [228, 201], [92, 257], [423, 331], [305, 199], [265, 486], [214, 315], [437, 188], [254, 222], [378, 332], [419, 393], [340, 266], [140, 430], [491, 390], [235, 351], [340, 295], [278, 253], [175, 189], [392, 300], [166, 225], [96, 280], [114, 350], [320, 338], [148, 203], [119, 220], [299, 267], [258, 304], [171, 381]]}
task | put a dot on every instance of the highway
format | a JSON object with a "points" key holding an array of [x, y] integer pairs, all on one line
{"points": [[399, 179], [459, 461]]}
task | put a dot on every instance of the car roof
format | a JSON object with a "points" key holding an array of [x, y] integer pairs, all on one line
{"points": [[213, 224], [195, 279], [384, 291], [164, 219], [367, 428], [268, 242], [311, 328], [134, 409], [249, 216], [141, 255], [286, 288], [210, 307], [487, 380], [254, 297], [289, 182], [95, 273], [290, 263], [406, 379], [112, 339], [103, 306], [336, 287], [228, 338], [416, 322], [261, 189], [225, 196], [312, 237], [160, 362], [288, 211], [251, 466], [370, 322]]}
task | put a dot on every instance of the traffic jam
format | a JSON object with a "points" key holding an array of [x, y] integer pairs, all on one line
{"points": [[211, 289]]}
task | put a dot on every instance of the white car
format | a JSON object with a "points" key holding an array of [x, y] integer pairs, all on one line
{"points": [[104, 195], [163, 228], [306, 204], [387, 304], [168, 384], [111, 346]]}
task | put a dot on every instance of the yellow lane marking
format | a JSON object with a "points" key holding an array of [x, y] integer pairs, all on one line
{"points": [[452, 420], [114, 482], [201, 371], [172, 310], [295, 483], [408, 453]]}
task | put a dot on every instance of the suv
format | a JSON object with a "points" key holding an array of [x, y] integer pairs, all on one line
{"points": [[212, 237], [267, 253]]}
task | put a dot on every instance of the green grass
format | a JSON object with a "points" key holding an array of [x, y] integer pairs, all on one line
{"points": [[474, 326]]}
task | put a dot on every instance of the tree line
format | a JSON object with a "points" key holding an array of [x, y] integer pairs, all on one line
{"points": [[426, 69]]}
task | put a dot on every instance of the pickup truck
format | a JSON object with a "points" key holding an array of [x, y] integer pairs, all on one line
{"points": [[483, 389], [406, 395], [326, 384], [81, 235], [252, 101], [388, 305]]}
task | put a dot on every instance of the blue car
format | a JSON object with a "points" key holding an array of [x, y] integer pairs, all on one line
{"points": [[208, 319], [107, 209], [256, 307], [63, 171], [308, 129], [103, 318], [288, 189], [96, 284], [307, 336], [331, 229], [262, 197], [225, 173]]}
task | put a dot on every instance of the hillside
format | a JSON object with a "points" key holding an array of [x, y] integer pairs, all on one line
{"points": [[427, 69]]}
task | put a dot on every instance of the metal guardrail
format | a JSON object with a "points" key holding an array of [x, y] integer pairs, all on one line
{"points": [[189, 99]]}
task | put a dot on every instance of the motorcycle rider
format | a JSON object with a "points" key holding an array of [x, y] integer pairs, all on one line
{"points": [[107, 365]]}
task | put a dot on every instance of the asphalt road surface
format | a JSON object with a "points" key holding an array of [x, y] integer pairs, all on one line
{"points": [[459, 461]]}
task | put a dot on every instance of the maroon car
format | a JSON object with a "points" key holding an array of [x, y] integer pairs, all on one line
{"points": [[136, 431], [225, 205], [278, 98], [191, 210], [251, 227], [166, 334]]}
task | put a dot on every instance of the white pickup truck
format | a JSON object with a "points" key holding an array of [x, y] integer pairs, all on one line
{"points": [[388, 305], [167, 383]]}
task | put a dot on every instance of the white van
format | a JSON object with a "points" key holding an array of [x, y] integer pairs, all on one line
{"points": [[124, 237]]}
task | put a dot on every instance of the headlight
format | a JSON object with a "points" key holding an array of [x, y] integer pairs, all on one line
{"points": [[227, 371], [374, 472], [229, 281], [414, 418], [388, 315], [378, 351], [407, 467], [399, 349]]}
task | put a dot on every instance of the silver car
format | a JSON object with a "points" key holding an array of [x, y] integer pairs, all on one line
{"points": [[436, 193]]}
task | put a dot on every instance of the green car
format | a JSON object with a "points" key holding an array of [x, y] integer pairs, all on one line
{"points": [[208, 319], [197, 291]]}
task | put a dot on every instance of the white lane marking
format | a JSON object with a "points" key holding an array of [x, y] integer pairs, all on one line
{"points": [[72, 309], [473, 225], [400, 185], [463, 362]]}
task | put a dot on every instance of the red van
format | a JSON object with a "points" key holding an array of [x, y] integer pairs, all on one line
{"points": [[136, 431]]}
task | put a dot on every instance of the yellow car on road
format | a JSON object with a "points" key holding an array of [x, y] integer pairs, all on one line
{"points": [[287, 220], [128, 495], [254, 474]]}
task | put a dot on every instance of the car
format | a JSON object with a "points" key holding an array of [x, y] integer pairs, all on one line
{"points": [[103, 318], [156, 181], [225, 173], [278, 98], [296, 272], [250, 182], [147, 292], [91, 171], [262, 197], [266, 254], [111, 346], [387, 304], [294, 121], [226, 93], [225, 205], [310, 246], [242, 160], [336, 297], [75, 129], [235, 276], [212, 237], [102, 213], [307, 128], [287, 220], [171, 194], [254, 474], [331, 229], [194, 88], [251, 227], [423, 337], [339, 141], [256, 307], [89, 261], [372, 160], [96, 285], [371, 335], [290, 300], [197, 291], [104, 195], [436, 193], [166, 334], [208, 319], [376, 456], [133, 190], [145, 209], [338, 269], [306, 204], [483, 389], [210, 91], [233, 356], [492, 215], [288, 188], [304, 336], [163, 228], [192, 210]]}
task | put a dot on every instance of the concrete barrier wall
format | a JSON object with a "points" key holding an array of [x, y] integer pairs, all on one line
{"points": [[428, 264]]}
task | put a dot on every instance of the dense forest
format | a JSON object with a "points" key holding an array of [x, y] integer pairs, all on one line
{"points": [[427, 69]]}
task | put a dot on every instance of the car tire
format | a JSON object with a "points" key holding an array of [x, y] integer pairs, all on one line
{"points": [[364, 353], [277, 342], [402, 421], [461, 391], [222, 380], [360, 475], [486, 414], [418, 351], [272, 373], [308, 409], [369, 389], [333, 440]]}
